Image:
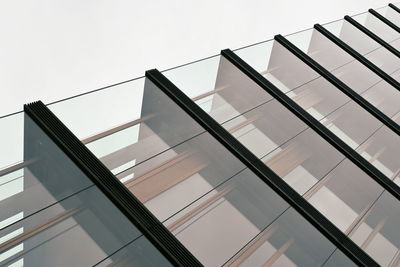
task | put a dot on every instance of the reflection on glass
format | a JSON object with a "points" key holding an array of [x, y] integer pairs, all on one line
{"points": [[339, 259], [219, 209], [71, 232], [288, 241], [346, 119], [202, 193], [390, 14], [140, 252], [215, 206], [350, 71], [366, 46], [378, 27], [281, 244], [64, 220], [331, 183], [377, 233]]}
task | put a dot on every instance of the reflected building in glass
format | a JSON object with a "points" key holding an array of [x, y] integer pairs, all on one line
{"points": [[282, 153]]}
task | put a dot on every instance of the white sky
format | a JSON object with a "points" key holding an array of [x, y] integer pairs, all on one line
{"points": [[52, 49]]}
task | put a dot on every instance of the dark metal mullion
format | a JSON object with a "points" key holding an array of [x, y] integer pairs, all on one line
{"points": [[373, 36], [386, 77], [384, 20], [339, 84], [394, 7], [310, 213], [113, 189]]}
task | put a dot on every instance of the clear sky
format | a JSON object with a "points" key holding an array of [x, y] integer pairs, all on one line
{"points": [[52, 49]]}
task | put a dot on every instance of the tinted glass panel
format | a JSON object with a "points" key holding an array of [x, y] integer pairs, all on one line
{"points": [[339, 259], [350, 71], [70, 223], [205, 196], [390, 14], [366, 46], [329, 105], [139, 252], [377, 233], [377, 26], [330, 182]]}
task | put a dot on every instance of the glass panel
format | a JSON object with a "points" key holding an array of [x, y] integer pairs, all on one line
{"points": [[72, 232], [69, 222], [12, 178], [22, 191], [390, 14], [366, 46], [350, 71], [195, 186], [287, 241], [11, 141], [339, 259], [238, 206], [377, 26], [188, 170], [139, 252], [377, 233], [295, 152], [129, 132], [379, 146], [198, 189], [350, 122]]}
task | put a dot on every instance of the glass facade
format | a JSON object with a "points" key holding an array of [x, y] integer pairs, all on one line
{"points": [[296, 153], [281, 153]]}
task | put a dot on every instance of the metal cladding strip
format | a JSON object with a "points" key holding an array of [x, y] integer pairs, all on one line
{"points": [[385, 20], [373, 36], [339, 84], [314, 124], [394, 7], [357, 56], [310, 213], [113, 189]]}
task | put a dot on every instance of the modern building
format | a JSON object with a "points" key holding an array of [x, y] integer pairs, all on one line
{"points": [[285, 152]]}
